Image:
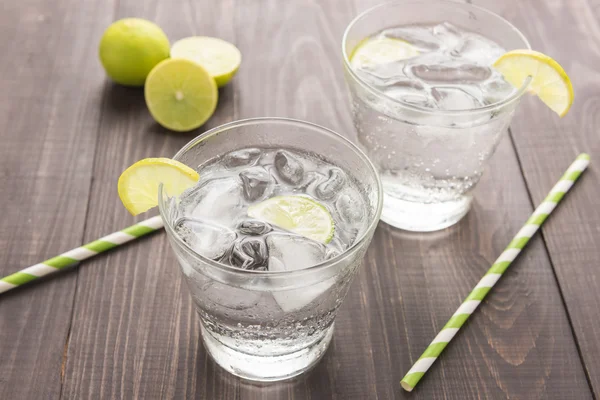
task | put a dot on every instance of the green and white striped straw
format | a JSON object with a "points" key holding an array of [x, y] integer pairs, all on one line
{"points": [[74, 256], [492, 276]]}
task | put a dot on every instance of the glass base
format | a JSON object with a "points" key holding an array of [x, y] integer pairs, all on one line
{"points": [[263, 368], [423, 217]]}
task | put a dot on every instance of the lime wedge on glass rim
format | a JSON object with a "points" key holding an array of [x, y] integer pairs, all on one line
{"points": [[138, 184], [221, 59], [297, 214], [549, 81], [180, 95]]}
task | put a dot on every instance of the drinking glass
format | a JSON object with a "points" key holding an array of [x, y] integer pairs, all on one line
{"points": [[429, 160], [268, 326]]}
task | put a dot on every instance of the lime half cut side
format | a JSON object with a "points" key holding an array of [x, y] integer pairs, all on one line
{"points": [[180, 95], [298, 214], [219, 58]]}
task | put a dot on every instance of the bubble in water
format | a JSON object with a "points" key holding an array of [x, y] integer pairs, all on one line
{"points": [[289, 169]]}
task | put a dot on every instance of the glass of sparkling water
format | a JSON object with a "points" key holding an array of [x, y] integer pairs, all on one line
{"points": [[428, 108], [267, 298]]}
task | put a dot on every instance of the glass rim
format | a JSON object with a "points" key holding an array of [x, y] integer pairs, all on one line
{"points": [[499, 104], [325, 265]]}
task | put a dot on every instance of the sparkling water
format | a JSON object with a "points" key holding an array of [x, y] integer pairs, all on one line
{"points": [[271, 329], [214, 214], [429, 155]]}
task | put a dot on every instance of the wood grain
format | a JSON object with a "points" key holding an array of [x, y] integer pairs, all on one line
{"points": [[133, 330], [49, 112], [569, 31]]}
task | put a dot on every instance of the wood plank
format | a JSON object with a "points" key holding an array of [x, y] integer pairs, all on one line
{"points": [[135, 333], [134, 330], [49, 111], [569, 31], [518, 344]]}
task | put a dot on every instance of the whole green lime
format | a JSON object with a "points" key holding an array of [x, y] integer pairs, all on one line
{"points": [[130, 48]]}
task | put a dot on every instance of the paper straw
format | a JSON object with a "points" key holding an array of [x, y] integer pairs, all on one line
{"points": [[486, 283], [86, 251]]}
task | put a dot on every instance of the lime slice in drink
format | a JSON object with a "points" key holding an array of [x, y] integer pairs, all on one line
{"points": [[130, 48], [221, 59], [297, 214], [138, 184], [549, 82], [374, 51], [180, 95]]}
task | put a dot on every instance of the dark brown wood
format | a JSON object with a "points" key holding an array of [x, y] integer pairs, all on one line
{"points": [[123, 325], [567, 30], [49, 113]]}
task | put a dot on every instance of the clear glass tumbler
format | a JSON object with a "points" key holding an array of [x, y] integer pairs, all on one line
{"points": [[429, 160], [269, 326]]}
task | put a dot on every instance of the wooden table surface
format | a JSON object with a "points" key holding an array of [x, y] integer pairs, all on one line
{"points": [[123, 326]]}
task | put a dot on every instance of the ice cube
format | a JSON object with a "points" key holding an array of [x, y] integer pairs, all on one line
{"points": [[249, 253], [350, 209], [332, 186], [218, 199], [451, 72], [477, 49], [292, 252], [254, 227], [241, 158], [205, 237], [289, 169], [448, 35], [420, 37], [409, 91], [449, 98], [256, 182], [385, 74]]}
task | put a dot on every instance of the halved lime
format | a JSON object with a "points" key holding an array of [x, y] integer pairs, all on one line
{"points": [[138, 184], [297, 214], [221, 59], [180, 95], [374, 51]]}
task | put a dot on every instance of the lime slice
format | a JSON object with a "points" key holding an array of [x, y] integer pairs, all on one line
{"points": [[297, 214], [373, 51], [138, 184], [180, 95], [130, 48], [550, 81], [221, 59]]}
